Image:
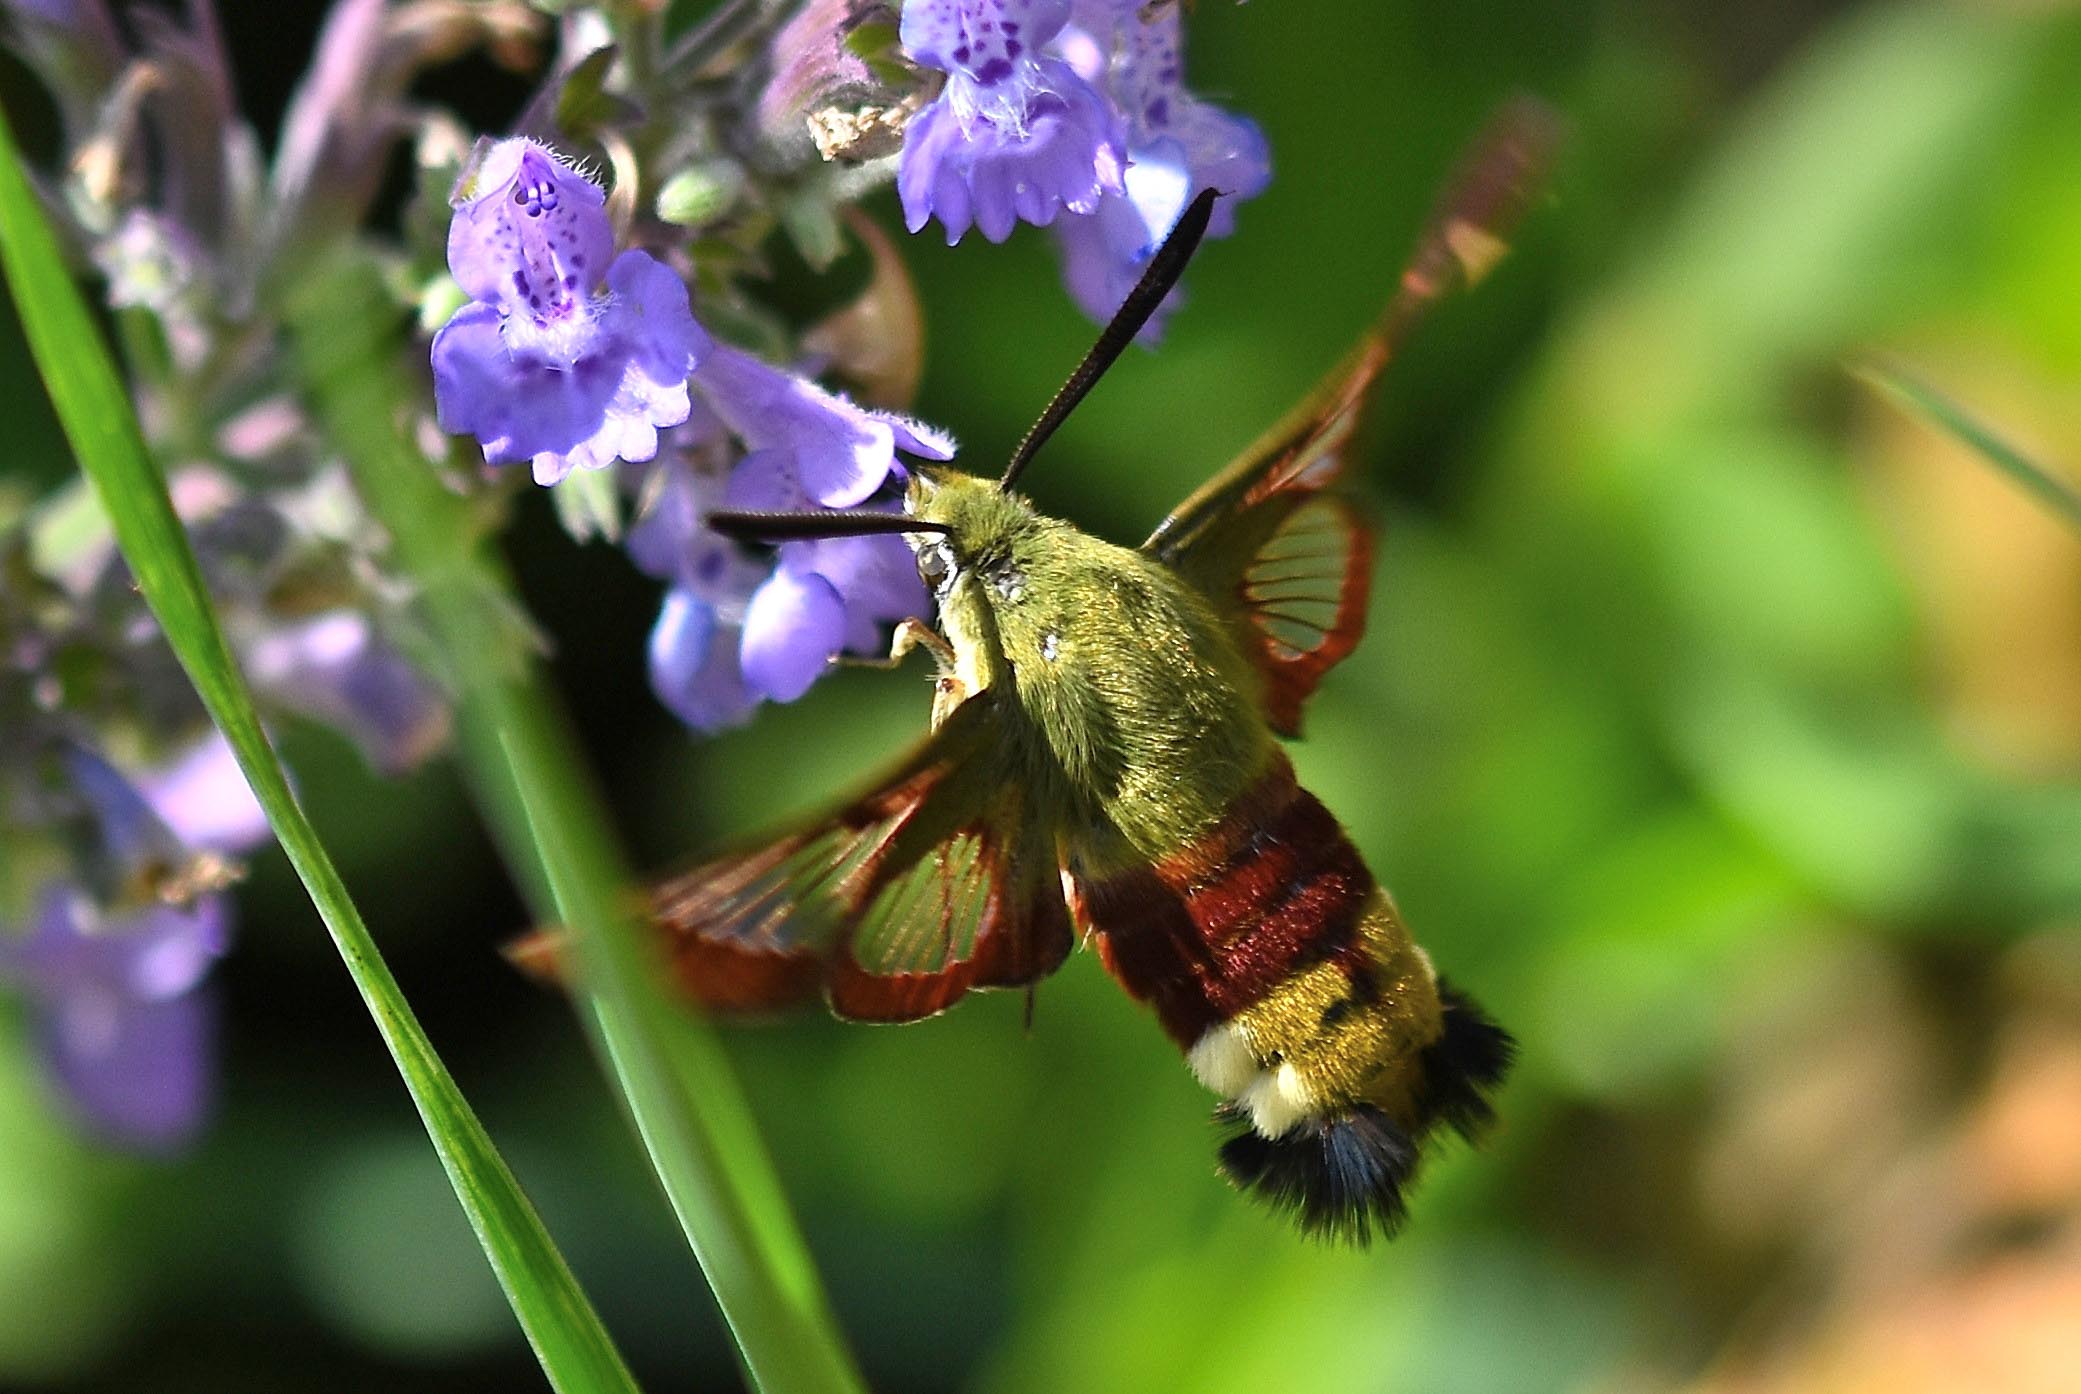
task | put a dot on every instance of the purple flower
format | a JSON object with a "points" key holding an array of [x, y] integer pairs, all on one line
{"points": [[336, 669], [563, 358], [738, 628], [696, 667], [1016, 134], [203, 799], [669, 541], [1177, 146], [713, 660], [126, 1028], [834, 453]]}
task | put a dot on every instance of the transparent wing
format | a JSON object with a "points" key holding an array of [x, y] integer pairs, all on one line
{"points": [[934, 883], [1239, 536]]}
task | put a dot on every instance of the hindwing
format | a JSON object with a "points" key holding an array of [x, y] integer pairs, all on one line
{"points": [[892, 907]]}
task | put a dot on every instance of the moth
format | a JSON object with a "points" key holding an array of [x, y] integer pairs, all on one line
{"points": [[1104, 764]]}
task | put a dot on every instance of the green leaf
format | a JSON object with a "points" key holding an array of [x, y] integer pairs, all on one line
{"points": [[584, 106], [588, 504], [1955, 421], [528, 777], [575, 1350], [878, 44], [812, 225]]}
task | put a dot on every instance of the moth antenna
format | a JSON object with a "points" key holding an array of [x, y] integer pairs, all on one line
{"points": [[752, 526], [1157, 280]]}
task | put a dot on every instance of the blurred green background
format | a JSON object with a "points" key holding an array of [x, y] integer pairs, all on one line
{"points": [[1719, 726]]}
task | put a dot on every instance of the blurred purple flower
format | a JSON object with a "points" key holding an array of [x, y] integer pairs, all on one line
{"points": [[126, 1027], [1177, 146], [203, 798], [1016, 134], [336, 669], [695, 664], [563, 358], [735, 630]]}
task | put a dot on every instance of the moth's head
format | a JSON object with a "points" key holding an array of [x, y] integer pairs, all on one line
{"points": [[956, 524], [976, 532]]}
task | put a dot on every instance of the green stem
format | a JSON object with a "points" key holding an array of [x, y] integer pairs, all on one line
{"points": [[528, 777]]}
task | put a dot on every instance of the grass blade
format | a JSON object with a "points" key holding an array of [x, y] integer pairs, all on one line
{"points": [[1954, 420], [529, 778], [574, 1349]]}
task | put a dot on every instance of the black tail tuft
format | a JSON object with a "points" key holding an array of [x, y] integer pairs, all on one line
{"points": [[1461, 1066], [1340, 1178]]}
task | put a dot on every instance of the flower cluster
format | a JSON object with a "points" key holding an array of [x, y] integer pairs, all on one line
{"points": [[119, 809], [111, 905], [564, 339], [1070, 116], [735, 629], [545, 366]]}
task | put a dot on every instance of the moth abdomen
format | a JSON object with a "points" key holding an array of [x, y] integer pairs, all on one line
{"points": [[1342, 1173]]}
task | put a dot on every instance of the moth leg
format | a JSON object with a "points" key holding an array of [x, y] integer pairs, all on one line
{"points": [[911, 633], [948, 691]]}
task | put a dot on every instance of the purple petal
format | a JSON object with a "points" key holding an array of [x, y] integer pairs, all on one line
{"points": [[925, 142], [1021, 149], [1226, 152], [204, 798], [139, 1073], [876, 578], [767, 481], [978, 37], [607, 404], [918, 438], [842, 452], [529, 233], [694, 665], [651, 313], [672, 543], [153, 952], [335, 669], [1105, 252], [793, 628], [513, 408], [126, 1032]]}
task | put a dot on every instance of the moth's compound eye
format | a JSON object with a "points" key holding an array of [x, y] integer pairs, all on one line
{"points": [[935, 564]]}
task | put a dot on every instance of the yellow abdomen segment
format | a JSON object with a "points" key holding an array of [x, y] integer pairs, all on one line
{"points": [[1346, 1030]]}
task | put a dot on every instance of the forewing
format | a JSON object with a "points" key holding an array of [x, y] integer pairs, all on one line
{"points": [[1240, 536], [893, 907]]}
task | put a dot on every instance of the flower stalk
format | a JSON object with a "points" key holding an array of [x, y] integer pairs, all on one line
{"points": [[529, 781]]}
